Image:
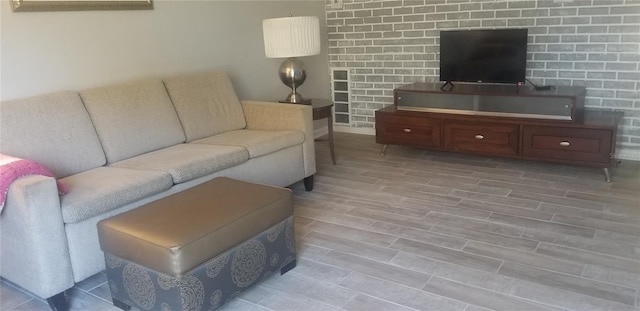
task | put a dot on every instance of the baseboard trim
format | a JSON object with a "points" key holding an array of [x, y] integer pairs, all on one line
{"points": [[355, 130], [627, 153], [319, 132]]}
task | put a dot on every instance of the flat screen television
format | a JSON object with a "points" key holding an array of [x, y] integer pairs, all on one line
{"points": [[483, 55]]}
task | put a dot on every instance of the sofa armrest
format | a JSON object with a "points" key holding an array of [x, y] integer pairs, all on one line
{"points": [[277, 116], [34, 252]]}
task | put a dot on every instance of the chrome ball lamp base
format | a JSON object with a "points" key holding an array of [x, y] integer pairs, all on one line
{"points": [[292, 74]]}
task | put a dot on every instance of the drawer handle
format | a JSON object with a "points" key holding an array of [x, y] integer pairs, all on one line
{"points": [[565, 144], [407, 130], [479, 137]]}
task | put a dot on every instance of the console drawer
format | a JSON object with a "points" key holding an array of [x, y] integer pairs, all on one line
{"points": [[576, 145], [481, 137], [411, 131]]}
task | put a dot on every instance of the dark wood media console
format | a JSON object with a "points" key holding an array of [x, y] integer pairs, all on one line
{"points": [[496, 120]]}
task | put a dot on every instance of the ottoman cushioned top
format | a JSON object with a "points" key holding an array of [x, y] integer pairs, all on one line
{"points": [[177, 233]]}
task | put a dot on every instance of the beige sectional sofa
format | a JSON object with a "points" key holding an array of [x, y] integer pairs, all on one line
{"points": [[121, 146]]}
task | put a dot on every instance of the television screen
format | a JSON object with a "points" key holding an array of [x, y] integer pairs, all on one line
{"points": [[483, 55]]}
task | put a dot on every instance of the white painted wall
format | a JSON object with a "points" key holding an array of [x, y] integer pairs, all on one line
{"points": [[42, 52]]}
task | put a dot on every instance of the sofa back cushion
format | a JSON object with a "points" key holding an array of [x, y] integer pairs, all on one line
{"points": [[206, 104], [53, 130], [133, 118]]}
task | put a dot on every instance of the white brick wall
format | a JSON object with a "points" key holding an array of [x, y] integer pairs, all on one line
{"points": [[595, 43]]}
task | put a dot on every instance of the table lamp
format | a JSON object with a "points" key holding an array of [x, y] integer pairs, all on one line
{"points": [[291, 37]]}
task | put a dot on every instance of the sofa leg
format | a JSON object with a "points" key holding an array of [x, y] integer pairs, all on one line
{"points": [[308, 183], [121, 305], [58, 302], [288, 267]]}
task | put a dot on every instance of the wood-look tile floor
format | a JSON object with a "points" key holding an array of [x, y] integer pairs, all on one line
{"points": [[424, 230]]}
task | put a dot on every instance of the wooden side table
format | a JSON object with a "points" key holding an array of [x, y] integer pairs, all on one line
{"points": [[321, 110]]}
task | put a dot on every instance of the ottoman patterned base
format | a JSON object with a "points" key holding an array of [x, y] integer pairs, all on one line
{"points": [[209, 285]]}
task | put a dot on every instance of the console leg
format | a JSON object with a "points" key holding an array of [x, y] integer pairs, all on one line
{"points": [[121, 305], [607, 177], [58, 302], [308, 183], [288, 267], [384, 149]]}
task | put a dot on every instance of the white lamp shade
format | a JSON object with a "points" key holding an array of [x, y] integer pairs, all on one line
{"points": [[291, 36]]}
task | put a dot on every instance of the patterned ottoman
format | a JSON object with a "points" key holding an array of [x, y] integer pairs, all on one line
{"points": [[199, 248]]}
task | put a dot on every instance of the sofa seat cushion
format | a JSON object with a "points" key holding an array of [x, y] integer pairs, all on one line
{"points": [[185, 162], [257, 143], [103, 189]]}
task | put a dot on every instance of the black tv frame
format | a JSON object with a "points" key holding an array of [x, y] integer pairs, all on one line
{"points": [[503, 42]]}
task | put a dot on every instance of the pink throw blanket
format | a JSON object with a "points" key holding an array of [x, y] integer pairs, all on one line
{"points": [[12, 168]]}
